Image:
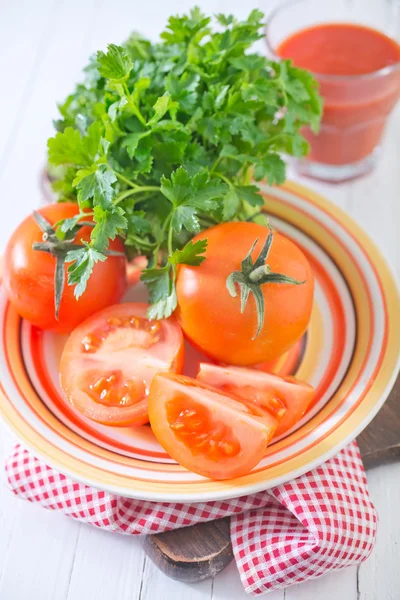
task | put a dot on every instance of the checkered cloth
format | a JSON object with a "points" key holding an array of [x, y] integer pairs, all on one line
{"points": [[316, 523]]}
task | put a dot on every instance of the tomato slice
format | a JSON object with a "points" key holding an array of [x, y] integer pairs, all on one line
{"points": [[109, 361], [207, 431], [285, 397]]}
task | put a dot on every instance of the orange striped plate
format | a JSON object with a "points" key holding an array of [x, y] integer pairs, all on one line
{"points": [[350, 354]]}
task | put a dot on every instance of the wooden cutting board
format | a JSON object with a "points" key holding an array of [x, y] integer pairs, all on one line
{"points": [[201, 551]]}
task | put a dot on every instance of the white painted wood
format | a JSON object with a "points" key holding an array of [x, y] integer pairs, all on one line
{"points": [[379, 577], [227, 586], [99, 554], [157, 585], [43, 555], [333, 586], [39, 555]]}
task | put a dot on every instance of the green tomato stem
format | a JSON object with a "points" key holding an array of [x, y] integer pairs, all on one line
{"points": [[258, 273]]}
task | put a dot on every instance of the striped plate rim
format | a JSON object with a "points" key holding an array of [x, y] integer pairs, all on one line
{"points": [[357, 399]]}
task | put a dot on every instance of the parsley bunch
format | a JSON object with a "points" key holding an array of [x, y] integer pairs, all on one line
{"points": [[163, 140]]}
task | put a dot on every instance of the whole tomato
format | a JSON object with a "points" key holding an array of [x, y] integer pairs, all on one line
{"points": [[29, 276], [211, 317]]}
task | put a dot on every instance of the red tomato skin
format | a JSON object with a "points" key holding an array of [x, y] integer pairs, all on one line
{"points": [[211, 318], [28, 276]]}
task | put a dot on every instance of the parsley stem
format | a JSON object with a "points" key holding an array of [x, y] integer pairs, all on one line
{"points": [[133, 106], [125, 180], [276, 137], [142, 242], [215, 165], [170, 234], [221, 176], [137, 190]]}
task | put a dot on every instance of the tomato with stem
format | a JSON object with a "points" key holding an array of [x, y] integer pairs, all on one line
{"points": [[29, 275], [275, 283]]}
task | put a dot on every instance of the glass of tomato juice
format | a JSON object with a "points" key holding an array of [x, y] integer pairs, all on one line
{"points": [[352, 48]]}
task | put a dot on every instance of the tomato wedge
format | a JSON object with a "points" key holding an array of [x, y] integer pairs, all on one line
{"points": [[207, 431], [109, 361], [284, 397]]}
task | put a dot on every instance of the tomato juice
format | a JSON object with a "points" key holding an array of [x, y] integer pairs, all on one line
{"points": [[358, 70]]}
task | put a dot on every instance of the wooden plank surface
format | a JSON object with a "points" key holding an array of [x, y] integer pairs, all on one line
{"points": [[45, 556]]}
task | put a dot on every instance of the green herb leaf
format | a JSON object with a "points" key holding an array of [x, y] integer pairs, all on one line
{"points": [[272, 168], [69, 224], [132, 140], [163, 308], [190, 195], [108, 224], [191, 254], [116, 107], [250, 193], [231, 204], [162, 292], [161, 140], [163, 104], [138, 224], [96, 184], [185, 216], [158, 282], [83, 261], [115, 64]]}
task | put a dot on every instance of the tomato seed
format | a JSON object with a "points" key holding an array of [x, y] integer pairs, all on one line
{"points": [[200, 433], [114, 321], [91, 343]]}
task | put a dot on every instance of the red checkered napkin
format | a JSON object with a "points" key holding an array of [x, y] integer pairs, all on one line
{"points": [[316, 523]]}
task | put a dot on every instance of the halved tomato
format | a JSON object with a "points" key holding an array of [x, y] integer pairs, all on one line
{"points": [[287, 398], [109, 361], [207, 431]]}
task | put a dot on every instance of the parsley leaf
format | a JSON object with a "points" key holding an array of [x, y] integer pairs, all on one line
{"points": [[272, 168], [163, 308], [250, 193], [189, 195], [95, 183], [163, 104], [132, 140], [162, 293], [185, 216], [83, 261], [191, 254], [158, 281], [69, 147], [108, 224], [160, 140], [115, 64]]}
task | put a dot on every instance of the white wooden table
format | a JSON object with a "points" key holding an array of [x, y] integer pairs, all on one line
{"points": [[44, 555]]}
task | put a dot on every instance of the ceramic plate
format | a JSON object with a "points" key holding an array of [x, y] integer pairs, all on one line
{"points": [[350, 354]]}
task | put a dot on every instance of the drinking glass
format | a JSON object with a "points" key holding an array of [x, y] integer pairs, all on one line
{"points": [[356, 107]]}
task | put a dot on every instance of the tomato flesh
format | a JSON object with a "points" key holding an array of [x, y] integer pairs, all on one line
{"points": [[109, 361], [286, 398], [206, 430], [199, 431]]}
